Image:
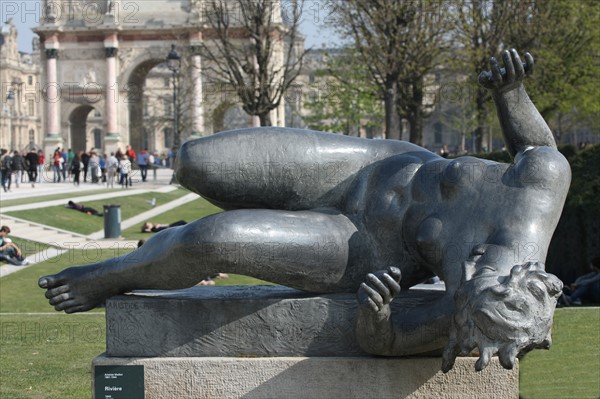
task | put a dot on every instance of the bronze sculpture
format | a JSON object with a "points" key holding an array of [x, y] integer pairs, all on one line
{"points": [[329, 213]]}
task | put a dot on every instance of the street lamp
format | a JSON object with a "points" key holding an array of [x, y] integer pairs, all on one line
{"points": [[174, 63]]}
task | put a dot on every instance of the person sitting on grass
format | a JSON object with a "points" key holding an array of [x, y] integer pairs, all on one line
{"points": [[155, 228], [9, 251], [586, 287], [83, 208]]}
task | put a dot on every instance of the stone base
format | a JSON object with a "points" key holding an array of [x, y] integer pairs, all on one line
{"points": [[255, 321], [317, 377]]}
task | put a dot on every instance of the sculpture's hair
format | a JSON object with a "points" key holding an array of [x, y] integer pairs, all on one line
{"points": [[500, 320]]}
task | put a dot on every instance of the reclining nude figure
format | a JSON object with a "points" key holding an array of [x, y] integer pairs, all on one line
{"points": [[327, 213]]}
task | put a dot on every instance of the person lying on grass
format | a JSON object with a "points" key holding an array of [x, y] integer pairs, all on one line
{"points": [[83, 208]]}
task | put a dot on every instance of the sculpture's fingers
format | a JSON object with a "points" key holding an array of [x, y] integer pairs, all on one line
{"points": [[449, 356], [496, 74], [372, 298], [395, 273], [509, 68], [518, 64], [507, 356], [484, 358], [380, 287], [529, 63], [392, 285]]}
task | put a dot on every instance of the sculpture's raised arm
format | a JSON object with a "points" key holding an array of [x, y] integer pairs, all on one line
{"points": [[522, 124]]}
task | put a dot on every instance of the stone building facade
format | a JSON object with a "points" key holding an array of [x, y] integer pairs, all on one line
{"points": [[21, 112], [104, 82]]}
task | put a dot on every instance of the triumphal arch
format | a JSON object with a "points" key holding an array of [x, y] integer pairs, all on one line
{"points": [[97, 56]]}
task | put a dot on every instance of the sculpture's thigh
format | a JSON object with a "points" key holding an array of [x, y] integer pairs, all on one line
{"points": [[303, 249]]}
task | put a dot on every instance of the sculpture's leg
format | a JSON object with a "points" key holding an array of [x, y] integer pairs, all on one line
{"points": [[306, 250], [278, 168]]}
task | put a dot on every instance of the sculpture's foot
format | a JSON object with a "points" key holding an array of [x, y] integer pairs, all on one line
{"points": [[78, 289]]}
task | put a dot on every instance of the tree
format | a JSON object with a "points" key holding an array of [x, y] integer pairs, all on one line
{"points": [[428, 28], [561, 34], [346, 101], [377, 31], [399, 43], [480, 26], [568, 33], [248, 48]]}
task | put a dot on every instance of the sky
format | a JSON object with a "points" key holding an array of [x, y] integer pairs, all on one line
{"points": [[26, 15]]}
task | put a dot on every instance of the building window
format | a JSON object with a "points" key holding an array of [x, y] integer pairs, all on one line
{"points": [[31, 136], [29, 80], [97, 138], [31, 107], [168, 137]]}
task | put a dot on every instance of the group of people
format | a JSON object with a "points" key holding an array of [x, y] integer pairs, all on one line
{"points": [[83, 166], [13, 166]]}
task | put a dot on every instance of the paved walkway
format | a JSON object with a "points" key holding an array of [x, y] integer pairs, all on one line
{"points": [[63, 240]]}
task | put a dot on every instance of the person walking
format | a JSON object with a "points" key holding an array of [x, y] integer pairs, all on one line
{"points": [[5, 168], [112, 164], [40, 167], [65, 164], [85, 159], [142, 161], [32, 160], [75, 169], [18, 166], [94, 167], [57, 162], [125, 166]]}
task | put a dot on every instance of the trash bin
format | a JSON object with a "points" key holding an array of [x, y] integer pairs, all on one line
{"points": [[112, 221]]}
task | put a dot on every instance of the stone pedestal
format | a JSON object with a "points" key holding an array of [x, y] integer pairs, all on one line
{"points": [[318, 378], [273, 342]]}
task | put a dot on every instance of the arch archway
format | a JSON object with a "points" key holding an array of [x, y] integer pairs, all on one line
{"points": [[78, 123], [135, 99]]}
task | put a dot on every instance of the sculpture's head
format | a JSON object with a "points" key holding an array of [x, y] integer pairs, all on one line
{"points": [[504, 315]]}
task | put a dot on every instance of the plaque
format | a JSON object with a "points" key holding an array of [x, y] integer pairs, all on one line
{"points": [[119, 382]]}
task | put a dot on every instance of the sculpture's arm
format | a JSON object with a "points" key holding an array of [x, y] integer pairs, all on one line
{"points": [[418, 330], [522, 125]]}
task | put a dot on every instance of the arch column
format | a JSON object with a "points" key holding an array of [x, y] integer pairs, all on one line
{"points": [[52, 138], [111, 136], [197, 93]]}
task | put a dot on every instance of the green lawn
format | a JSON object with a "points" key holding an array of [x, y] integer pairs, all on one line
{"points": [[571, 368], [66, 197], [79, 222]]}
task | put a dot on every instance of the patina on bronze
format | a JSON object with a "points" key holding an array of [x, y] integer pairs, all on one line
{"points": [[328, 213]]}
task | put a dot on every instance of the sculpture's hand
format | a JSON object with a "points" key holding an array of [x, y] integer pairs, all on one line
{"points": [[379, 289], [509, 77]]}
